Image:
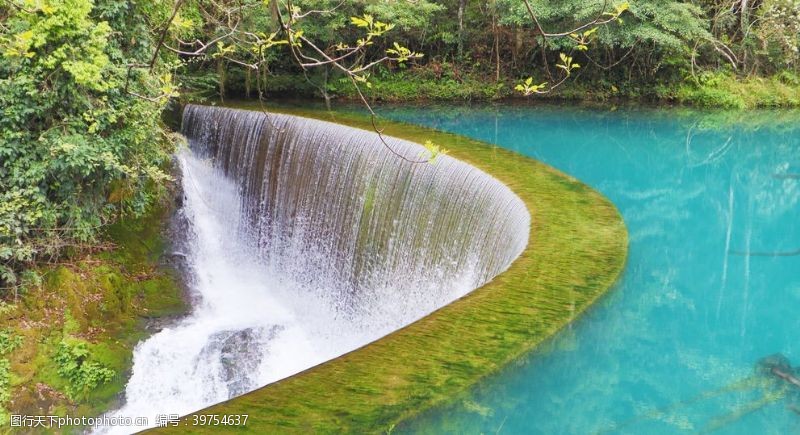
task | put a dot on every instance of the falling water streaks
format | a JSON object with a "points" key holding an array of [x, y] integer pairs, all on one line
{"points": [[311, 239], [348, 195], [344, 217]]}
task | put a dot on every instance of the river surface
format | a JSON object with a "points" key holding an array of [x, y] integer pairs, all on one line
{"points": [[674, 346]]}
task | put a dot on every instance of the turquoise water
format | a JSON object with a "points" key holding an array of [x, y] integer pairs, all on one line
{"points": [[673, 347]]}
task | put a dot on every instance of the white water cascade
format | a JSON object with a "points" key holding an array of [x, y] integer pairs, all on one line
{"points": [[307, 240]]}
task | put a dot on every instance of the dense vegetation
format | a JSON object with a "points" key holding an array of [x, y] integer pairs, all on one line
{"points": [[732, 53], [77, 148]]}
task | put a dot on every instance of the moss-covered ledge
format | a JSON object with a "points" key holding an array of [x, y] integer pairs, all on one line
{"points": [[577, 249]]}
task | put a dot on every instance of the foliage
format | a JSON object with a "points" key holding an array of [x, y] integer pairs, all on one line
{"points": [[778, 29], [5, 389], [8, 343], [77, 148], [81, 374], [664, 25], [433, 151], [649, 49], [726, 90], [82, 82], [124, 285], [419, 84]]}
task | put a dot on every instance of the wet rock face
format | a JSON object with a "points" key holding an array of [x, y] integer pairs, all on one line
{"points": [[239, 354]]}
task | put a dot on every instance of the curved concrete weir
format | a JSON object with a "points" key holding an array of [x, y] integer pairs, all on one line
{"points": [[307, 240], [578, 248], [339, 213]]}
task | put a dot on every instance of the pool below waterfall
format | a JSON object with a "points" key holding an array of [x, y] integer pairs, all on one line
{"points": [[712, 284]]}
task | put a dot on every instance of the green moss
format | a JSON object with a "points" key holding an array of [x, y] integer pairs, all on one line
{"points": [[101, 299], [578, 248]]}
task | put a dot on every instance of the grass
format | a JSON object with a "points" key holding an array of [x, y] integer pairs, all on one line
{"points": [[98, 298], [577, 249]]}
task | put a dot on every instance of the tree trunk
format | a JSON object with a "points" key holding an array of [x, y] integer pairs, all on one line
{"points": [[273, 9], [496, 32], [744, 16], [324, 89], [221, 78], [462, 6], [519, 41], [247, 83]]}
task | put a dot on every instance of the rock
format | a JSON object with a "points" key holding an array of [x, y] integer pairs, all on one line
{"points": [[240, 353]]}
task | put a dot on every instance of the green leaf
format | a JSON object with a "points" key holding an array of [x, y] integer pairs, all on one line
{"points": [[359, 22]]}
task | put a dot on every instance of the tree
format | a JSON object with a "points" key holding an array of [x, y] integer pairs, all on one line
{"points": [[77, 148]]}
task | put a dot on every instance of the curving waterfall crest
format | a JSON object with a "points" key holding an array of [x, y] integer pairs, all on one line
{"points": [[306, 240], [340, 213]]}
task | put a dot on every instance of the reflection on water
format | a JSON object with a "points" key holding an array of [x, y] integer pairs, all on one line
{"points": [[675, 347]]}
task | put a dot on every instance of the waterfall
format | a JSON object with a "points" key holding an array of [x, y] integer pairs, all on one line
{"points": [[307, 240]]}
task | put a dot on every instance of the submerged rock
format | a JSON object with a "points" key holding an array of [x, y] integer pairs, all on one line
{"points": [[239, 354], [779, 368], [773, 364]]}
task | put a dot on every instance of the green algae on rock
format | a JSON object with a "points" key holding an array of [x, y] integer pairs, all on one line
{"points": [[98, 302]]}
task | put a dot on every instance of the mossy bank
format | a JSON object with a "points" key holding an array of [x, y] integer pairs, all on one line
{"points": [[708, 90], [67, 341], [577, 249]]}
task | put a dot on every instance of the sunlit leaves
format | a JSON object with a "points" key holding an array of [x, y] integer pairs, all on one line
{"points": [[265, 42], [182, 25], [362, 78], [168, 87], [619, 9], [365, 22], [401, 54], [433, 151], [528, 88], [584, 39], [296, 37], [223, 50], [19, 45], [373, 27], [565, 63]]}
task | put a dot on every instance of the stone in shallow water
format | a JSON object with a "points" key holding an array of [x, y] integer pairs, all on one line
{"points": [[239, 353]]}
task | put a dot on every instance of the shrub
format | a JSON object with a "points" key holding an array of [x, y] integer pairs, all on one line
{"points": [[77, 148], [82, 375], [8, 343]]}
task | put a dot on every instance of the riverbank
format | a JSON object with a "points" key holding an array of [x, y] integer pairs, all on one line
{"points": [[436, 358], [68, 340], [706, 90]]}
